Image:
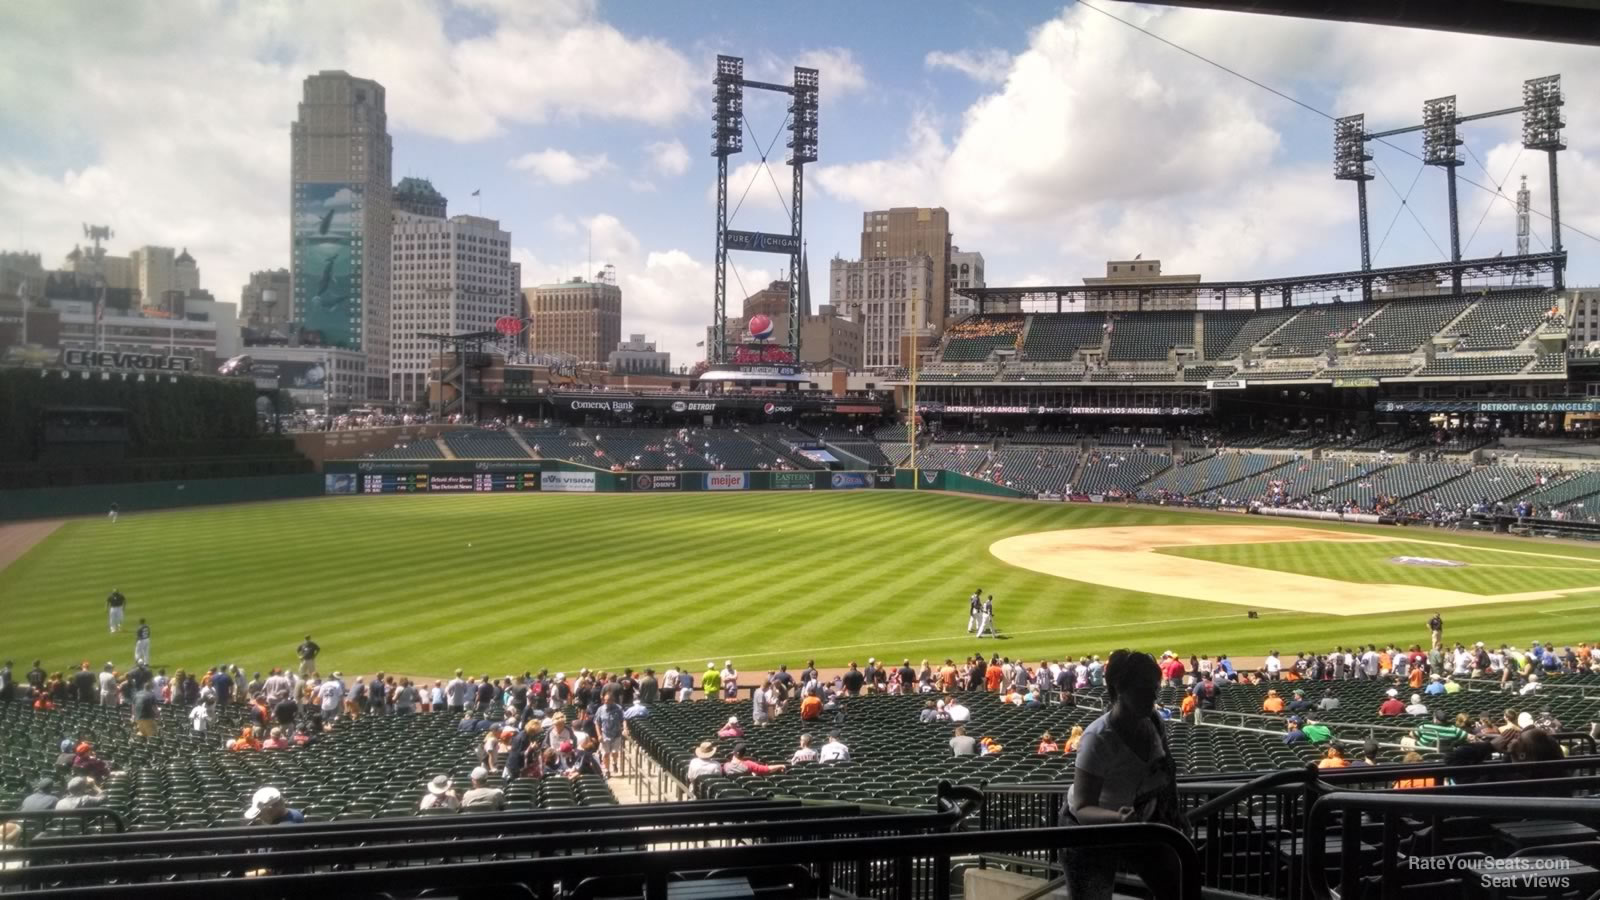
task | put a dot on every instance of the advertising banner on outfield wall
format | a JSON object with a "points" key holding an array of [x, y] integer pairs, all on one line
{"points": [[656, 483], [885, 479], [793, 481], [849, 481], [567, 482], [339, 484], [725, 481]]}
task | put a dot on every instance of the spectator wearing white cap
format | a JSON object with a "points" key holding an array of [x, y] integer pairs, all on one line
{"points": [[1416, 706], [267, 807], [439, 795], [481, 795], [1391, 706]]}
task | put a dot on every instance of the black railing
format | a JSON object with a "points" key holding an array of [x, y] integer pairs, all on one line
{"points": [[1390, 809], [61, 822], [911, 867]]}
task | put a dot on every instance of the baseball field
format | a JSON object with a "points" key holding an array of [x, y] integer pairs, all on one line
{"points": [[506, 582]]}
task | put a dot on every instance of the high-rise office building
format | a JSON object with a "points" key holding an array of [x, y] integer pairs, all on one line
{"points": [[264, 303], [449, 276], [904, 232], [418, 195], [889, 299], [576, 318], [340, 157], [966, 271]]}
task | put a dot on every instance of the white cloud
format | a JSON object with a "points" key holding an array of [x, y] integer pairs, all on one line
{"points": [[666, 293], [561, 167], [668, 157], [756, 190], [989, 65], [837, 69], [101, 127]]}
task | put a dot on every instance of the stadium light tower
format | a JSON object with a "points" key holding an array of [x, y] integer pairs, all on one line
{"points": [[1439, 142], [1541, 130], [1350, 158], [728, 139]]}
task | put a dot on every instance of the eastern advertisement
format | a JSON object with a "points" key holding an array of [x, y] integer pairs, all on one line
{"points": [[327, 258], [725, 481], [567, 482], [291, 375], [849, 481], [793, 481]]}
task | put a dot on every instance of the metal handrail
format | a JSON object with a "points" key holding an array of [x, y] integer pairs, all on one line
{"points": [[1306, 777], [655, 868], [1409, 803]]}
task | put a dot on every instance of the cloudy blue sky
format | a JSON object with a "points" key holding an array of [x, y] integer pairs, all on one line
{"points": [[1056, 136]]}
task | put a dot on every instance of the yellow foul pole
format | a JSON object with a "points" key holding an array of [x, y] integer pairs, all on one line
{"points": [[911, 419]]}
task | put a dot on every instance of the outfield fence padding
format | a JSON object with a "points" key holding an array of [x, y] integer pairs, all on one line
{"points": [[54, 502]]}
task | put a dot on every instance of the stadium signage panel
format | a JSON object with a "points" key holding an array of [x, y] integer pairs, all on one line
{"points": [[772, 408], [1488, 406], [1071, 410], [111, 359], [1232, 384], [656, 483], [885, 479], [844, 408], [793, 481], [763, 242], [499, 466], [567, 482], [1355, 382], [452, 484], [679, 406], [775, 371], [849, 481], [604, 405], [725, 481]]}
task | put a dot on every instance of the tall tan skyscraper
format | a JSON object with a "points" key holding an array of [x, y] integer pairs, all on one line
{"points": [[576, 318], [340, 229], [906, 231]]}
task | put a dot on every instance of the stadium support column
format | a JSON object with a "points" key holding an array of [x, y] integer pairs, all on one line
{"points": [[1439, 142], [1350, 158], [719, 310], [1541, 130]]}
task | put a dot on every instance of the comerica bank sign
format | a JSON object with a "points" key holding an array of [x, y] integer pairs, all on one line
{"points": [[142, 362]]}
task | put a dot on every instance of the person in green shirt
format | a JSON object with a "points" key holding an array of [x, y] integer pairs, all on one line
{"points": [[1439, 734], [711, 681], [1316, 732]]}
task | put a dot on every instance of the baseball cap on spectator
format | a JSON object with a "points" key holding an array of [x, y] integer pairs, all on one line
{"points": [[566, 747], [83, 747], [479, 773], [66, 746], [263, 798], [77, 784], [44, 785], [1392, 692], [733, 720]]}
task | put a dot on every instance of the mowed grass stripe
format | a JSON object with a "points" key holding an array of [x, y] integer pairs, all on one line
{"points": [[564, 581]]}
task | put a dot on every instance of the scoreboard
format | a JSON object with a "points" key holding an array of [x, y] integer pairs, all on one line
{"points": [[423, 483], [394, 484]]}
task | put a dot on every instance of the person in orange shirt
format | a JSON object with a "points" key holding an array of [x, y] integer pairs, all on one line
{"points": [[1334, 759], [947, 675], [810, 708], [992, 676], [1273, 703], [1385, 662], [1187, 708], [1427, 781], [1415, 678]]}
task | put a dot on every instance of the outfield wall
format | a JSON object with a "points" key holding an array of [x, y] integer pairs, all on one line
{"points": [[85, 500], [560, 476]]}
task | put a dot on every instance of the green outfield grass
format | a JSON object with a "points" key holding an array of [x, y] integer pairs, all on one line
{"points": [[1511, 569], [508, 582]]}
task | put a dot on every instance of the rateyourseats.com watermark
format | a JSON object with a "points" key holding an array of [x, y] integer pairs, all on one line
{"points": [[1538, 872]]}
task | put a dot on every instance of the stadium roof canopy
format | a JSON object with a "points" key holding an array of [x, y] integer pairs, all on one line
{"points": [[1566, 21]]}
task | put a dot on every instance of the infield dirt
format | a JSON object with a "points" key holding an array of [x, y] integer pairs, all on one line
{"points": [[1124, 557]]}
